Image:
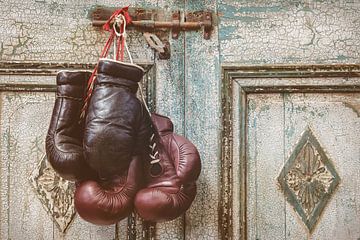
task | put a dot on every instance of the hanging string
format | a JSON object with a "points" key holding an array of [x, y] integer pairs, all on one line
{"points": [[120, 22], [113, 38], [121, 18]]}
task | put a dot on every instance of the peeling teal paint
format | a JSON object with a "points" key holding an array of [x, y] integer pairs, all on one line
{"points": [[251, 105], [247, 19], [226, 32], [342, 57], [265, 108], [289, 131], [231, 12], [256, 9], [306, 9], [300, 109]]}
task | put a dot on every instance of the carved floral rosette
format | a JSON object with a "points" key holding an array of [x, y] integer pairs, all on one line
{"points": [[308, 179]]}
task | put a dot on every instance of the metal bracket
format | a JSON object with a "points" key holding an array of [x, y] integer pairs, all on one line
{"points": [[176, 24]]}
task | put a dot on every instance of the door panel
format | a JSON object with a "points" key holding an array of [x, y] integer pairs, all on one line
{"points": [[264, 154], [335, 122], [21, 144], [275, 126]]}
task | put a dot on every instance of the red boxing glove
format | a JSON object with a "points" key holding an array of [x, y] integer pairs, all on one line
{"points": [[170, 171], [107, 202]]}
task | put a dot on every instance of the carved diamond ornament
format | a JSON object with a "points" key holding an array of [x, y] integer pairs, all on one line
{"points": [[308, 179], [55, 193]]}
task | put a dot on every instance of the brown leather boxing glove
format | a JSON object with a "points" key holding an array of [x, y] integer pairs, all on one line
{"points": [[170, 171], [117, 125], [63, 147], [117, 132]]}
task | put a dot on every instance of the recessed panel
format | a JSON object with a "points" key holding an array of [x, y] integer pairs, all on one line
{"points": [[302, 157]]}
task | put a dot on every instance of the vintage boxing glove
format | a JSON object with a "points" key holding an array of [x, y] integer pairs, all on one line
{"points": [[117, 125], [64, 139], [171, 170], [107, 202]]}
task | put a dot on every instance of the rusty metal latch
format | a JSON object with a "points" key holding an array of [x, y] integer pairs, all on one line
{"points": [[152, 19], [156, 24], [155, 43]]}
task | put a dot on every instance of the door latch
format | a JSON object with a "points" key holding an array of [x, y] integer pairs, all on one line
{"points": [[155, 43], [156, 24], [151, 19]]}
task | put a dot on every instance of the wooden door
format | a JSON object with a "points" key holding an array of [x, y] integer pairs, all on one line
{"points": [[249, 98]]}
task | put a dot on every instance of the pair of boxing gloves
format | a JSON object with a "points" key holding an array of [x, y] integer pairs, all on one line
{"points": [[120, 157]]}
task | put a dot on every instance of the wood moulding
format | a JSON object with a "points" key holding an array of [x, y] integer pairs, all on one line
{"points": [[245, 77], [28, 68], [48, 68]]}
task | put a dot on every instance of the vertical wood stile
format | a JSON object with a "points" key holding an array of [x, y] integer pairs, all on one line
{"points": [[4, 176], [225, 203], [202, 124]]}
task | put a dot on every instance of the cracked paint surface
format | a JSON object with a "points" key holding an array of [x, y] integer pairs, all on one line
{"points": [[57, 31], [258, 32]]}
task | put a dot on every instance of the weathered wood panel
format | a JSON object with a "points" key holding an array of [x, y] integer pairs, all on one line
{"points": [[24, 144], [272, 115], [4, 181], [265, 204], [258, 32], [202, 123], [22, 148], [276, 123], [335, 121]]}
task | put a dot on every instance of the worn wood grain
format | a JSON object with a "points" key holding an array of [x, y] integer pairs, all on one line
{"points": [[170, 101], [4, 174], [309, 87]]}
